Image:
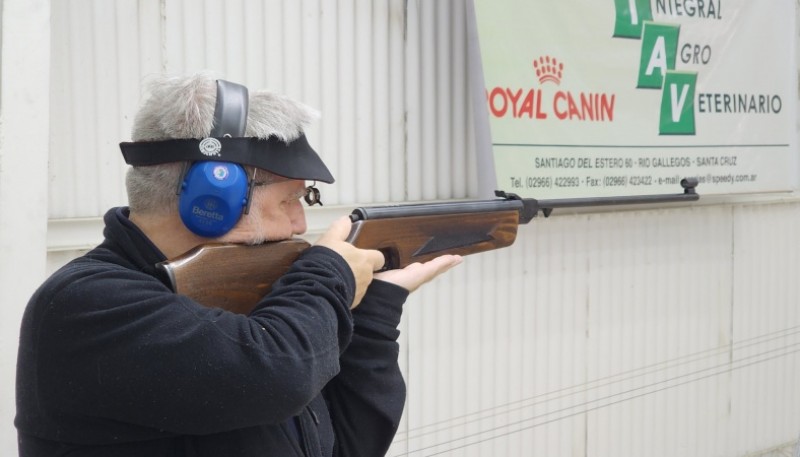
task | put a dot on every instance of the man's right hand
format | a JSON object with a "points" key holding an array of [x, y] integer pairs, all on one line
{"points": [[363, 262]]}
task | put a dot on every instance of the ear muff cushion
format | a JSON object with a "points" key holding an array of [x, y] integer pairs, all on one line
{"points": [[213, 196]]}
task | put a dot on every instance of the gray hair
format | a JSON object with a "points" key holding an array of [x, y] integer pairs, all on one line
{"points": [[183, 107]]}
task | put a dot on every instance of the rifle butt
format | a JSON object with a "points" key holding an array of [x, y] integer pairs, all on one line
{"points": [[229, 276]]}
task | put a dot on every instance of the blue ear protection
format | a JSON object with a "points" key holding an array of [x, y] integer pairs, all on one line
{"points": [[213, 195]]}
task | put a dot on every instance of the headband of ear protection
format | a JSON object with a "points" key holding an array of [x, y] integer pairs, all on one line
{"points": [[214, 194]]}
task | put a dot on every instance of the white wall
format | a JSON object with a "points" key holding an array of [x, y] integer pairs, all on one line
{"points": [[24, 127], [665, 331]]}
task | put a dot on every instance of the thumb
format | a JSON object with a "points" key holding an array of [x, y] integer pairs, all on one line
{"points": [[339, 230]]}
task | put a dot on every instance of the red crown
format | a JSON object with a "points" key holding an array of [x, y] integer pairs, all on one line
{"points": [[548, 69]]}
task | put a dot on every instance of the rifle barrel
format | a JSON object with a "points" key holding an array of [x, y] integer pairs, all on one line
{"points": [[688, 194], [528, 208], [609, 201]]}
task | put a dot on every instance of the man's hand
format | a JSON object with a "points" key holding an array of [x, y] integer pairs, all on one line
{"points": [[417, 274], [363, 262]]}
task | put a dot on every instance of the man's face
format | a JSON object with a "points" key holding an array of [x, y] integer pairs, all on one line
{"points": [[276, 213]]}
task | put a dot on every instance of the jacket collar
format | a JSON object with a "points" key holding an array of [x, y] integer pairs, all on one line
{"points": [[126, 239]]}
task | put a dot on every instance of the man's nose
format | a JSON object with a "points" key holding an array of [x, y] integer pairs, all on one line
{"points": [[297, 216]]}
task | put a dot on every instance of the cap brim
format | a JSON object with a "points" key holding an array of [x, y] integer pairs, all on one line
{"points": [[294, 160]]}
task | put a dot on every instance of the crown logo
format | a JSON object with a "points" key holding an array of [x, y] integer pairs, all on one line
{"points": [[548, 69]]}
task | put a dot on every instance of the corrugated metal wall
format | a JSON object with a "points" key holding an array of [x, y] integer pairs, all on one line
{"points": [[661, 332]]}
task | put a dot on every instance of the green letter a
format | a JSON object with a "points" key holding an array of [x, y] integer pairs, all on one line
{"points": [[659, 50]]}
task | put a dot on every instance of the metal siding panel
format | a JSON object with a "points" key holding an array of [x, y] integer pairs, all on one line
{"points": [[378, 94], [765, 400], [458, 103], [97, 65], [292, 47], [330, 98], [396, 95], [313, 73], [310, 18], [362, 103], [105, 95], [653, 306], [440, 150], [61, 102], [429, 52], [346, 130], [413, 105], [442, 96], [255, 65]]}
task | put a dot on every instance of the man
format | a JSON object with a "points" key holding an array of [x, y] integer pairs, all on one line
{"points": [[112, 362]]}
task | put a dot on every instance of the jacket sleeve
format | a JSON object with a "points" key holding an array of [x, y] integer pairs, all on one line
{"points": [[367, 397], [116, 343]]}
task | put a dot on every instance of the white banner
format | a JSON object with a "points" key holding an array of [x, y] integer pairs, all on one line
{"points": [[621, 97]]}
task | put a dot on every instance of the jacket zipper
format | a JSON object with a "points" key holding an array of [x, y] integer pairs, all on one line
{"points": [[305, 432]]}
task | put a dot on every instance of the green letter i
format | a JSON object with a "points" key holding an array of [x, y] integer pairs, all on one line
{"points": [[631, 14]]}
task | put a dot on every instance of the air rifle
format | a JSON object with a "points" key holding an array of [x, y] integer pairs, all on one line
{"points": [[235, 277]]}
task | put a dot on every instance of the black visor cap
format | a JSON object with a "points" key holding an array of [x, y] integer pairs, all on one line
{"points": [[294, 160]]}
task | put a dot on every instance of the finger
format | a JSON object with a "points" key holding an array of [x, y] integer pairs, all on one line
{"points": [[443, 263], [377, 259], [435, 267]]}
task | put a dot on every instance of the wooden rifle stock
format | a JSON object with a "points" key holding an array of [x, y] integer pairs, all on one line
{"points": [[235, 277]]}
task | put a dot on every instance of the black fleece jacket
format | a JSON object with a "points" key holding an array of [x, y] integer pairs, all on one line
{"points": [[113, 363]]}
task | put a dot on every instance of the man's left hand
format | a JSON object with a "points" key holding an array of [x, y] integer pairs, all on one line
{"points": [[417, 274]]}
